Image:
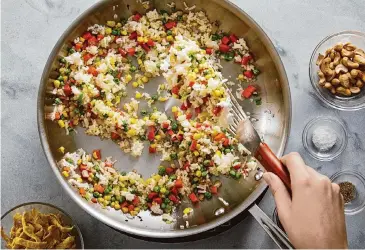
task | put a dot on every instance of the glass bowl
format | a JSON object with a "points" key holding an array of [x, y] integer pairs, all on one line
{"points": [[336, 127], [7, 219], [355, 102], [358, 180]]}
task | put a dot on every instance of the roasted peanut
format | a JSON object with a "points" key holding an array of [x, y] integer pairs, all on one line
{"points": [[335, 82], [338, 47], [355, 90], [344, 80], [349, 46], [346, 53], [341, 68], [348, 63], [359, 59], [343, 91]]}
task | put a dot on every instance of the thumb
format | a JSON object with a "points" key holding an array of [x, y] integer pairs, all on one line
{"points": [[281, 195]]}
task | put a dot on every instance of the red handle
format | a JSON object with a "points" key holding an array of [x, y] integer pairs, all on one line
{"points": [[272, 164]]}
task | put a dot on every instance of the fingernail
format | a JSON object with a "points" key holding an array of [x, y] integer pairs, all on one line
{"points": [[267, 177]]}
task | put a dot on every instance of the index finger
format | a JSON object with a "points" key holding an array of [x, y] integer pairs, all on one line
{"points": [[296, 166]]}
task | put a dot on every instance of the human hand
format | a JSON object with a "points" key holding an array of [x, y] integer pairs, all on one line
{"points": [[313, 217]]}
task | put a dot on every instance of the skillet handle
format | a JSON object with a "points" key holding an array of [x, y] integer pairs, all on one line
{"points": [[271, 163], [275, 233]]}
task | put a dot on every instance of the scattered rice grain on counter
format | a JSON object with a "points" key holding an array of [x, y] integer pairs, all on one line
{"points": [[186, 50]]}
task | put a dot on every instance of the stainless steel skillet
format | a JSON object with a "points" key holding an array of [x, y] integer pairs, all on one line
{"points": [[274, 117]]}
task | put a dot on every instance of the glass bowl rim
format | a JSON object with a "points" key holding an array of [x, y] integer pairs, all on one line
{"points": [[52, 206], [315, 86]]}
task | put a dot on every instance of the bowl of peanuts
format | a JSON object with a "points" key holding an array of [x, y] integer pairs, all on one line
{"points": [[337, 70]]}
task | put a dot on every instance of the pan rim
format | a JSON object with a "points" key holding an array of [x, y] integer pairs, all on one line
{"points": [[149, 232]]}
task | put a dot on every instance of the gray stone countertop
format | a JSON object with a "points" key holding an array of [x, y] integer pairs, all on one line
{"points": [[30, 28]]}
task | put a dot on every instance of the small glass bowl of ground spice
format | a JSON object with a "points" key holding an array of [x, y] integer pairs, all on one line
{"points": [[352, 188], [324, 138]]}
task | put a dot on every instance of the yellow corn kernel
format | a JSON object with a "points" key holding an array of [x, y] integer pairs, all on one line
{"points": [[108, 31], [124, 32], [65, 173], [139, 61], [169, 38], [174, 109], [145, 39], [79, 180], [133, 213], [117, 100], [79, 161], [116, 206], [240, 77], [131, 181], [131, 132], [138, 95], [187, 210], [118, 25], [208, 76], [61, 149], [198, 173], [156, 177], [198, 146], [56, 83], [100, 199], [139, 81], [145, 118], [82, 39], [108, 103], [145, 79], [196, 153], [107, 197], [219, 153], [64, 113], [128, 78], [163, 98], [140, 39], [191, 76], [125, 210], [196, 70], [124, 189], [133, 120], [110, 23], [137, 209], [61, 123], [158, 137], [216, 93], [65, 78], [197, 136]]}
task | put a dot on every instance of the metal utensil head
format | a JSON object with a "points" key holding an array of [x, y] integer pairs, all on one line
{"points": [[247, 135]]}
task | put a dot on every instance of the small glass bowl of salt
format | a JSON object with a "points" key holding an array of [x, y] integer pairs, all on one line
{"points": [[324, 138]]}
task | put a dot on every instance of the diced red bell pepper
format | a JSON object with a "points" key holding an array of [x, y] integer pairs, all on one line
{"points": [[94, 200], [124, 204], [57, 116], [248, 74], [130, 208], [223, 48], [174, 191], [87, 57], [82, 167], [198, 110], [189, 115], [92, 70], [67, 90], [133, 35], [193, 198], [170, 25], [92, 40], [78, 46], [158, 200], [205, 99], [131, 51], [145, 47], [136, 200], [219, 137], [217, 110], [165, 125], [170, 132], [97, 154], [226, 142], [149, 204], [225, 40], [175, 90], [99, 188], [173, 198], [209, 51], [152, 150], [150, 43], [183, 107], [136, 17], [245, 60], [233, 38], [169, 170], [122, 52], [180, 137], [237, 166], [99, 37], [191, 84], [193, 145], [151, 133], [178, 183], [186, 166], [115, 136], [204, 82], [213, 189], [87, 35], [247, 92], [188, 103], [152, 195]]}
